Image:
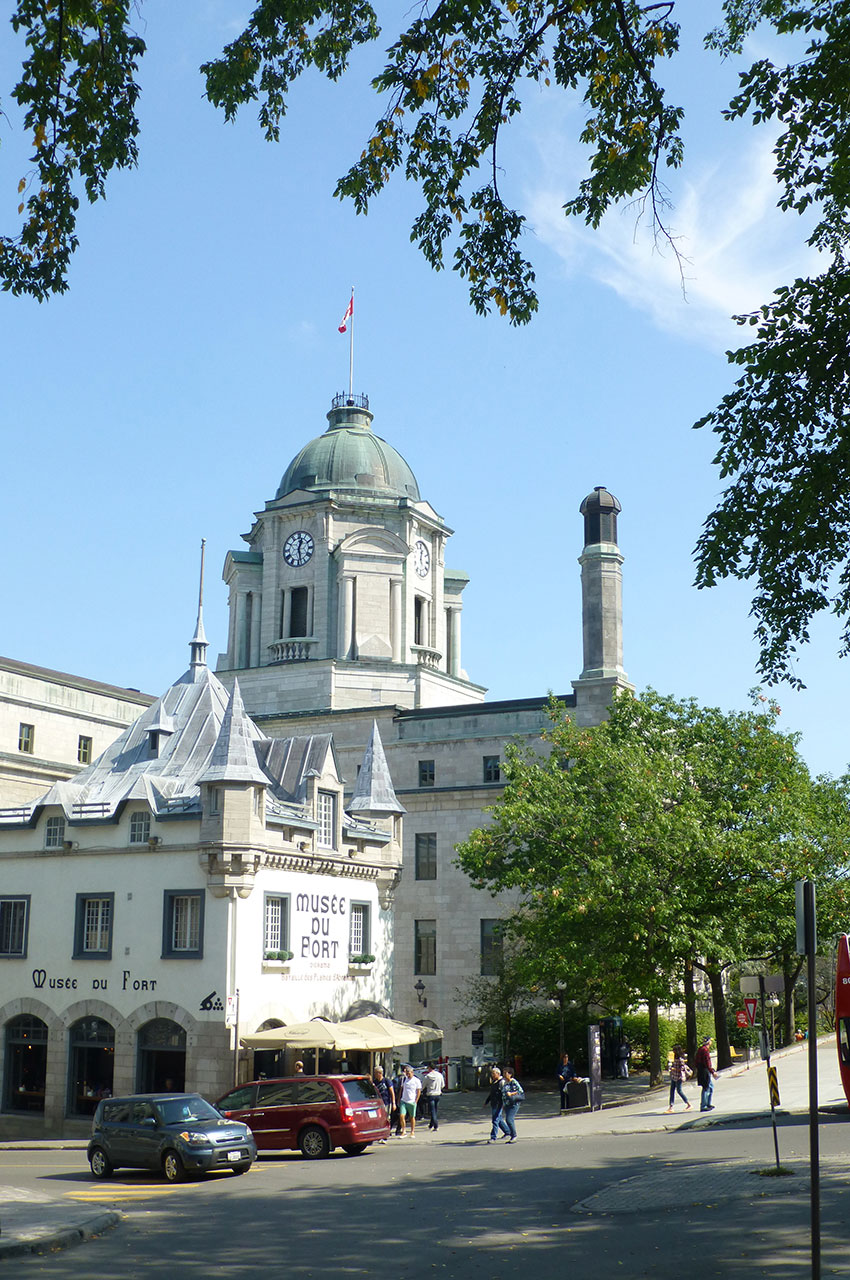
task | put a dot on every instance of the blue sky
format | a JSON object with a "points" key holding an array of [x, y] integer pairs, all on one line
{"points": [[160, 400]]}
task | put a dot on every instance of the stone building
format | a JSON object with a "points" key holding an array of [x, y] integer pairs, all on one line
{"points": [[199, 881], [344, 610], [345, 613]]}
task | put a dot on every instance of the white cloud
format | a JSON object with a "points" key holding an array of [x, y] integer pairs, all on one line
{"points": [[736, 246]]}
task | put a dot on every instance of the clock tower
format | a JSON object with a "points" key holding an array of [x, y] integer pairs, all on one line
{"points": [[342, 598]]}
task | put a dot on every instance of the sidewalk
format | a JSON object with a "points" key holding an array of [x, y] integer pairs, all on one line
{"points": [[31, 1221]]}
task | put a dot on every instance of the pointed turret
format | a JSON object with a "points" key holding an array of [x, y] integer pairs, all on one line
{"points": [[373, 792], [234, 758], [198, 644]]}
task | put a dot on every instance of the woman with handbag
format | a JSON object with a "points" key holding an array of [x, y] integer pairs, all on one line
{"points": [[679, 1073]]}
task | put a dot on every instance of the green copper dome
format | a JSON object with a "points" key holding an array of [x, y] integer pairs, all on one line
{"points": [[350, 456]]}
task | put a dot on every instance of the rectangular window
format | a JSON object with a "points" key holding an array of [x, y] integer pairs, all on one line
{"points": [[492, 772], [140, 827], [425, 946], [426, 773], [14, 926], [276, 927], [183, 924], [298, 612], [326, 815], [93, 926], [84, 746], [491, 947], [54, 833], [215, 799], [358, 929], [426, 855], [26, 738]]}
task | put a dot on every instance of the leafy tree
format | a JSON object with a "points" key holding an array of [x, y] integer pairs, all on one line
{"points": [[494, 1001], [669, 836], [454, 79]]}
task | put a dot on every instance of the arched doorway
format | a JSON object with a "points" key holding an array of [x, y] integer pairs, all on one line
{"points": [[91, 1062], [26, 1063], [269, 1063], [161, 1057]]}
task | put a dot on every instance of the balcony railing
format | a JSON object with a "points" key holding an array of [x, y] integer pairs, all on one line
{"points": [[426, 657], [293, 650]]}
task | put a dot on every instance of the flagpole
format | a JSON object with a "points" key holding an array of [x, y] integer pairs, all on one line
{"points": [[351, 350]]}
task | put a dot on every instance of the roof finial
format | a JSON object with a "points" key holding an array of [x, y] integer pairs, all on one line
{"points": [[198, 643]]}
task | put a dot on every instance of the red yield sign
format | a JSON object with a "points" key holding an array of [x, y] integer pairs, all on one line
{"points": [[751, 1004]]}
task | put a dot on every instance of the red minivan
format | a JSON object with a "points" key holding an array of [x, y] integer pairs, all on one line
{"points": [[310, 1114]]}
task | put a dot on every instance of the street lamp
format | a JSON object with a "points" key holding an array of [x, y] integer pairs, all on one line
{"points": [[419, 988], [558, 1002], [772, 1003]]}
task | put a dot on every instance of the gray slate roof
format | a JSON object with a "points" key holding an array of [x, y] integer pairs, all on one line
{"points": [[373, 792]]}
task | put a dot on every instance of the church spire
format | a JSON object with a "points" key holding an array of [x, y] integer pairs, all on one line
{"points": [[198, 643]]}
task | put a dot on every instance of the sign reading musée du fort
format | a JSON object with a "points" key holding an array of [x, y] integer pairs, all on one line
{"points": [[320, 925]]}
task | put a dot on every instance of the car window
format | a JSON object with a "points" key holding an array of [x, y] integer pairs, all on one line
{"points": [[276, 1093], [141, 1111], [362, 1090], [117, 1112], [178, 1110], [312, 1091], [238, 1099]]}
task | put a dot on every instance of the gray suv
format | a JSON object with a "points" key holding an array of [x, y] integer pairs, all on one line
{"points": [[179, 1133]]}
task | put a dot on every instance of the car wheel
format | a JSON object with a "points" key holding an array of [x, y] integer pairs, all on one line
{"points": [[243, 1167], [314, 1143], [172, 1167], [101, 1165], [356, 1148]]}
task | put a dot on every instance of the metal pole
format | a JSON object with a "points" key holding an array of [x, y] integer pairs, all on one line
{"points": [[814, 1136], [351, 349], [766, 1042]]}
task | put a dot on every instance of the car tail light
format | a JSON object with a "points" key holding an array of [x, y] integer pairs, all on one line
{"points": [[347, 1113]]}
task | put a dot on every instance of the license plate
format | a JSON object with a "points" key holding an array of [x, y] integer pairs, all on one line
{"points": [[372, 1114], [233, 1156]]}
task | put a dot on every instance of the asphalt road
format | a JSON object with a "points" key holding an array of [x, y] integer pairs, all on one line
{"points": [[563, 1200]]}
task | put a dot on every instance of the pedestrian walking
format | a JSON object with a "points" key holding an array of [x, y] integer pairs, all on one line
{"points": [[624, 1053], [410, 1090], [566, 1073], [385, 1092], [679, 1073], [432, 1088], [706, 1075], [395, 1119], [512, 1095], [495, 1100]]}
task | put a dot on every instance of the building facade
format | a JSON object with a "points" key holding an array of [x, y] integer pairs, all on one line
{"points": [[198, 882], [344, 610]]}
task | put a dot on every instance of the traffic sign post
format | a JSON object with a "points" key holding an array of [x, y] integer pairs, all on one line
{"points": [[807, 946]]}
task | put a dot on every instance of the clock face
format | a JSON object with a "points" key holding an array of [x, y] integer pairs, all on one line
{"points": [[298, 548], [422, 559]]}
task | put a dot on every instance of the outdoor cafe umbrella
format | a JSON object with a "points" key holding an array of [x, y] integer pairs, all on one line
{"points": [[388, 1033], [316, 1034]]}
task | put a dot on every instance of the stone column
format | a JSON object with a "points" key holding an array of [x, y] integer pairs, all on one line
{"points": [[454, 642], [240, 653], [256, 627], [395, 618], [346, 615], [287, 614]]}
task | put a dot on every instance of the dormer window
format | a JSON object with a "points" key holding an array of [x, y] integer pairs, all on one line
{"points": [[140, 827], [326, 816], [54, 833]]}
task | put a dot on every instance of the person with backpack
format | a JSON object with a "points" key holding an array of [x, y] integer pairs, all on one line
{"points": [[513, 1095]]}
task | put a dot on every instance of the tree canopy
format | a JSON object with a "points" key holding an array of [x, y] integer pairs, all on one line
{"points": [[667, 837], [453, 80]]}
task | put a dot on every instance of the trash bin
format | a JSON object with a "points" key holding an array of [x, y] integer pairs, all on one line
{"points": [[577, 1093]]}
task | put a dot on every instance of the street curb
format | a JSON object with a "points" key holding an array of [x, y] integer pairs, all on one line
{"points": [[63, 1239]]}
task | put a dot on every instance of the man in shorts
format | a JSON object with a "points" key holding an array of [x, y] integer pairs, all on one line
{"points": [[411, 1087]]}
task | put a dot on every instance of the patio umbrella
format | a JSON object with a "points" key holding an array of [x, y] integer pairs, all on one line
{"points": [[388, 1033]]}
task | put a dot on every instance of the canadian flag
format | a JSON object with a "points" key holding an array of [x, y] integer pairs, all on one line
{"points": [[349, 312]]}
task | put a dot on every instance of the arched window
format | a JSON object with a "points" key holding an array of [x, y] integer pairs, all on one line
{"points": [[91, 1062], [161, 1057], [26, 1063]]}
